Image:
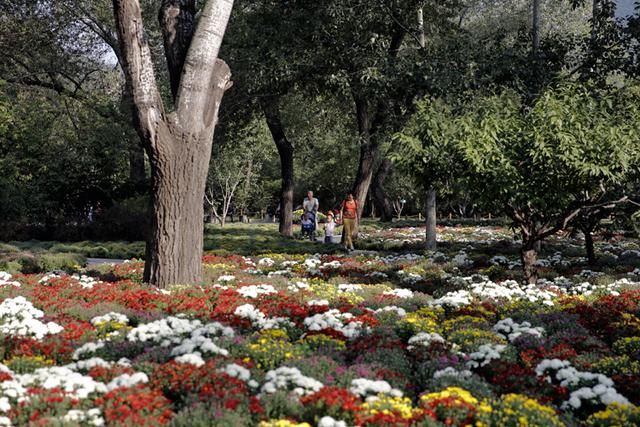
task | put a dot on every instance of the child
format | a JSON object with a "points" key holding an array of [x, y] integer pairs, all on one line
{"points": [[329, 227], [306, 221]]}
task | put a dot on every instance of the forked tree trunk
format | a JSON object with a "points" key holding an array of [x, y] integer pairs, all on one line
{"points": [[178, 144], [431, 219], [368, 154], [271, 109], [380, 198]]}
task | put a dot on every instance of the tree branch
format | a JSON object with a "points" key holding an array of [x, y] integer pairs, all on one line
{"points": [[138, 68], [203, 74]]}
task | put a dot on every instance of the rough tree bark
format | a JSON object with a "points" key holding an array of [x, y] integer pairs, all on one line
{"points": [[431, 219], [528, 257], [271, 110], [178, 143], [371, 115], [589, 246], [380, 199], [535, 28]]}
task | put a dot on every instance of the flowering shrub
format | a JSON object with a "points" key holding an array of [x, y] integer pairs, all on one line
{"points": [[324, 341]]}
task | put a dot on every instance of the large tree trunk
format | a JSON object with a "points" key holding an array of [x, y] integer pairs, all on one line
{"points": [[271, 109], [589, 246], [177, 226], [137, 174], [535, 28], [178, 144], [431, 219], [368, 154], [380, 199], [528, 256]]}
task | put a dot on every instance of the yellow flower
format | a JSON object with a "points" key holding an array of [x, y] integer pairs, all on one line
{"points": [[456, 392], [391, 405], [282, 423]]}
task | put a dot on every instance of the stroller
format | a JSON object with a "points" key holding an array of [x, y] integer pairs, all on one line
{"points": [[308, 226]]}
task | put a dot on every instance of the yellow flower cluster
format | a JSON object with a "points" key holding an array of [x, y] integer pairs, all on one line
{"points": [[615, 415], [109, 329], [324, 341], [220, 266], [627, 346], [454, 392], [391, 405], [282, 423], [464, 321], [470, 339], [271, 348], [329, 291], [623, 365], [520, 411], [422, 320], [27, 364]]}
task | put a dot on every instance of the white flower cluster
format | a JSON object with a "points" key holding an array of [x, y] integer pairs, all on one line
{"points": [[409, 278], [286, 378], [86, 282], [191, 358], [254, 291], [556, 261], [364, 387], [166, 331], [202, 339], [297, 286], [19, 317], [512, 330], [334, 319], [87, 364], [74, 383], [93, 417], [87, 348], [226, 278], [397, 258], [377, 275], [110, 317], [450, 371], [5, 280], [485, 354], [509, 290], [348, 287], [462, 259], [259, 319], [424, 339], [400, 312], [48, 277], [127, 381], [240, 372], [266, 261], [584, 386], [400, 293], [317, 302], [330, 422]]}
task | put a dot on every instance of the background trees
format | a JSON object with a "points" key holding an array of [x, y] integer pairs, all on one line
{"points": [[328, 96]]}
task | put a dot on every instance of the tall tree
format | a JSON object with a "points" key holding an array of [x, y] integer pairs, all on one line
{"points": [[178, 143]]}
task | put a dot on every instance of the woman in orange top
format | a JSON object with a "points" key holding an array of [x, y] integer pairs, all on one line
{"points": [[349, 215]]}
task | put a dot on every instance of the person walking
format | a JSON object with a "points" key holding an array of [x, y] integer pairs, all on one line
{"points": [[311, 205], [349, 215]]}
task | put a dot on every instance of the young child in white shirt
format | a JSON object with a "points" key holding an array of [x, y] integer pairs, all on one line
{"points": [[329, 228]]}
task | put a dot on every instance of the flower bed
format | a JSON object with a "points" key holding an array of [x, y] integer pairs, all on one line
{"points": [[328, 341]]}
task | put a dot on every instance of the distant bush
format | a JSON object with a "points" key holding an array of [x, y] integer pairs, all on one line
{"points": [[28, 263]]}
